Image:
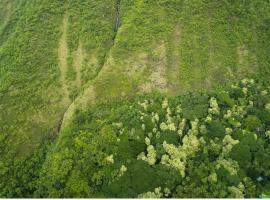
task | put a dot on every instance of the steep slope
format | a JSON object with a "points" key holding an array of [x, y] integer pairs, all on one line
{"points": [[189, 146], [30, 104], [59, 56], [178, 46], [63, 55], [6, 8], [37, 44]]}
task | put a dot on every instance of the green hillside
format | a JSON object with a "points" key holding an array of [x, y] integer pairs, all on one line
{"points": [[70, 70], [193, 145]]}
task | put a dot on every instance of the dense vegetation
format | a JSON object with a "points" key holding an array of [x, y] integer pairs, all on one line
{"points": [[58, 57], [213, 144], [194, 145], [31, 96]]}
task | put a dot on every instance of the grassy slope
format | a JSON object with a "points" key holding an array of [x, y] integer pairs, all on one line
{"points": [[170, 46], [181, 46], [29, 84], [32, 101], [233, 133], [31, 76]]}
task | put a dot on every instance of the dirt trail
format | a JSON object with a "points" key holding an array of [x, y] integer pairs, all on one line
{"points": [[158, 77], [87, 95], [8, 9], [242, 55], [247, 61], [175, 57], [78, 59], [213, 65], [63, 54]]}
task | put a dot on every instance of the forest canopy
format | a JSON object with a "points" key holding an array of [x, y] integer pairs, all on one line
{"points": [[194, 145]]}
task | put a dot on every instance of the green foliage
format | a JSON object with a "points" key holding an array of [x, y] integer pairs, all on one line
{"points": [[241, 153], [215, 129], [20, 180], [31, 106], [171, 46], [252, 123], [106, 150]]}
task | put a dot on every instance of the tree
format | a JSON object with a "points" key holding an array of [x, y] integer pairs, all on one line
{"points": [[252, 123], [241, 153]]}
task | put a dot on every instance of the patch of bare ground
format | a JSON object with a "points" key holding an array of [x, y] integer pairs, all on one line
{"points": [[157, 79], [78, 59], [63, 55], [175, 58], [242, 54], [8, 9], [211, 57], [247, 61], [5, 11], [137, 64], [87, 95]]}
